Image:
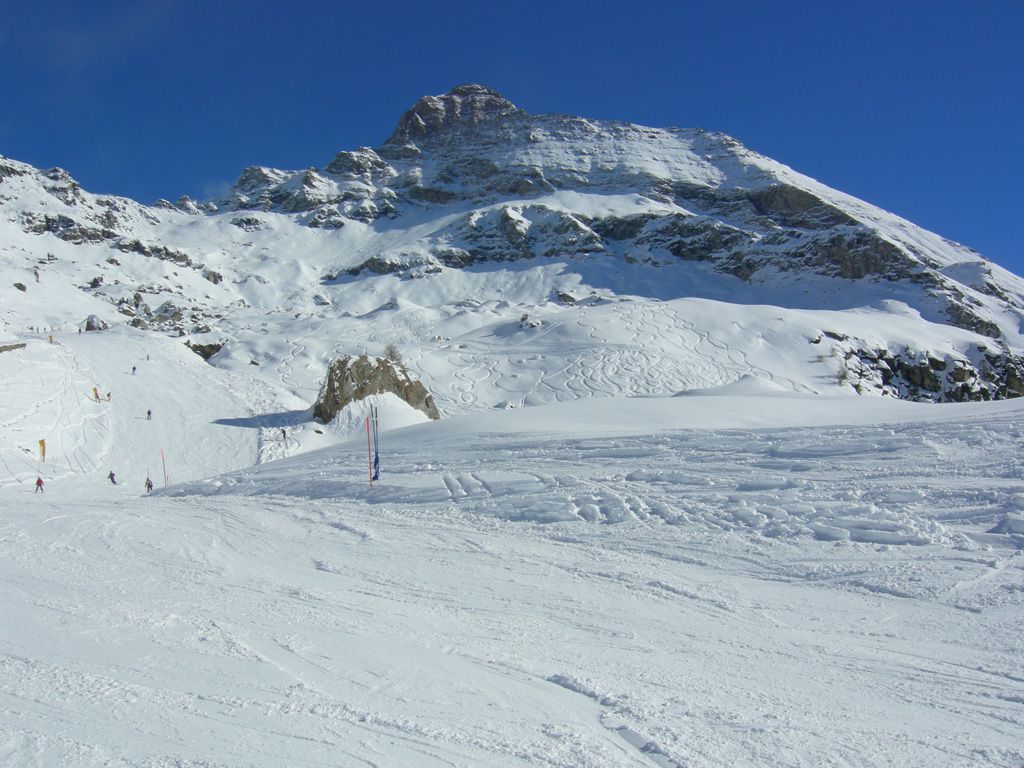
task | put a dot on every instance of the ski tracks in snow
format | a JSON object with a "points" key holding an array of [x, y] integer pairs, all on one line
{"points": [[551, 609], [601, 356], [49, 391]]}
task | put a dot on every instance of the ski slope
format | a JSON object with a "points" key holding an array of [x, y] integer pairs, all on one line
{"points": [[49, 395], [742, 575]]}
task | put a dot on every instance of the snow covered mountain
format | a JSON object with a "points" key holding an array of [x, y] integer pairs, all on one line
{"points": [[476, 213], [700, 549]]}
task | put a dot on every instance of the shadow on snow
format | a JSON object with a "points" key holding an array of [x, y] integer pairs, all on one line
{"points": [[271, 420]]}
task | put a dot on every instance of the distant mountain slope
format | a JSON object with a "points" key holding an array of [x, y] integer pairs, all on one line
{"points": [[475, 214]]}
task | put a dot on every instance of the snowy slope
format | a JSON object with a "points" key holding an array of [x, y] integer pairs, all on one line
{"points": [[742, 576], [49, 395]]}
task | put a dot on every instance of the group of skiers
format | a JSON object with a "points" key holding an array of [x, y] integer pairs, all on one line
{"points": [[111, 477], [113, 481], [40, 485]]}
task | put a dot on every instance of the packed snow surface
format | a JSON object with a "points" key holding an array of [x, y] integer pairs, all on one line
{"points": [[752, 574]]}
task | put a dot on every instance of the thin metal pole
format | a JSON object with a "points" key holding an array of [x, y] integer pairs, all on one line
{"points": [[369, 454]]}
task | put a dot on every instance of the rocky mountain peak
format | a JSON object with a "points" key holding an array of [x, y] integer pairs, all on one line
{"points": [[432, 116]]}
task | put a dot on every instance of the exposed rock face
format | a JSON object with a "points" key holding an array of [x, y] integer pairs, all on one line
{"points": [[981, 374], [93, 323], [65, 228], [352, 186], [354, 378], [248, 223], [9, 170], [363, 165], [205, 351], [186, 205], [432, 117], [791, 206]]}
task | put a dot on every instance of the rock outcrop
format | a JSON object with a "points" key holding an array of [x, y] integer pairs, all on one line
{"points": [[93, 323], [432, 118], [350, 379], [205, 351], [981, 373]]}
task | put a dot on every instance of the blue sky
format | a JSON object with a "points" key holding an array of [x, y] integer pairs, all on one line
{"points": [[914, 106]]}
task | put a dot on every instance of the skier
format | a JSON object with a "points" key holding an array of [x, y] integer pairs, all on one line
{"points": [[133, 370], [149, 414], [113, 480], [39, 485], [149, 485], [108, 397], [284, 434]]}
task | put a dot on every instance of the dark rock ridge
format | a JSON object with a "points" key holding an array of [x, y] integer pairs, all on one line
{"points": [[354, 378]]}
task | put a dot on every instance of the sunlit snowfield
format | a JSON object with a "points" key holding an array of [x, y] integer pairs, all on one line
{"points": [[740, 576]]}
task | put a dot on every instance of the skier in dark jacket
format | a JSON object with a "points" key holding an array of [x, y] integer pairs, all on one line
{"points": [[149, 485], [113, 480]]}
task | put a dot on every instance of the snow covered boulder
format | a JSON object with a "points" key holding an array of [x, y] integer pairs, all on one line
{"points": [[350, 379]]}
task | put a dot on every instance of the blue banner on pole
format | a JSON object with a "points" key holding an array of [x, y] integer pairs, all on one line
{"points": [[376, 442]]}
